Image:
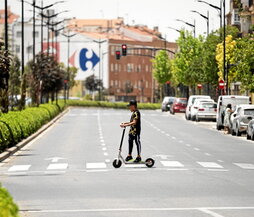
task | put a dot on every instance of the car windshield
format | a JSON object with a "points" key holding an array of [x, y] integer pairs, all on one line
{"points": [[182, 101], [209, 105], [249, 112]]}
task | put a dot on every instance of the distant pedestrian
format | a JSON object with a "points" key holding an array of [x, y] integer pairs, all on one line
{"points": [[228, 112]]}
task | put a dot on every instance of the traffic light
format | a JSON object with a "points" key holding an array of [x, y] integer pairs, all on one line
{"points": [[124, 49], [118, 55]]}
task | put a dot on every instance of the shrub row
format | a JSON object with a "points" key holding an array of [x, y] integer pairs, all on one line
{"points": [[116, 105], [7, 207], [18, 125]]}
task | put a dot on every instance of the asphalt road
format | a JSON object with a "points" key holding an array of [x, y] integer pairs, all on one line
{"points": [[67, 171]]}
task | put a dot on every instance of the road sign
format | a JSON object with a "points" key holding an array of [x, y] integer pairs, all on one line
{"points": [[199, 86], [221, 84]]}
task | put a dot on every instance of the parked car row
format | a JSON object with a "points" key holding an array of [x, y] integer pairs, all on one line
{"points": [[199, 107]]}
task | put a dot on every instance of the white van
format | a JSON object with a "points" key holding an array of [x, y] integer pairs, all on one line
{"points": [[191, 101], [223, 101]]}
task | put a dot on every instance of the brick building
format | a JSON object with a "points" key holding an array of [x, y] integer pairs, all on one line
{"points": [[131, 76]]}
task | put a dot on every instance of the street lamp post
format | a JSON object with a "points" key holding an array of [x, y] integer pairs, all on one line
{"points": [[189, 24], [6, 25], [66, 88], [100, 42], [177, 30], [205, 17]]}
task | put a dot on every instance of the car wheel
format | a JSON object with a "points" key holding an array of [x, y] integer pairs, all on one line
{"points": [[233, 132], [193, 118], [252, 137], [218, 127], [197, 119], [248, 137], [173, 112]]}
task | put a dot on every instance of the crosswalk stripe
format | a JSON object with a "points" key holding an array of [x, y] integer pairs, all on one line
{"points": [[172, 164], [57, 166], [96, 165], [245, 166], [17, 168], [210, 165]]}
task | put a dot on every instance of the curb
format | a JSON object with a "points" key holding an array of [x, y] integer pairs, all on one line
{"points": [[9, 152]]}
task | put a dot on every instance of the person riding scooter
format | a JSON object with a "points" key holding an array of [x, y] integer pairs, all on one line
{"points": [[135, 130]]}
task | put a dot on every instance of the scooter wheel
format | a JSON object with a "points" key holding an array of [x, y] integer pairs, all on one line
{"points": [[117, 163], [150, 162]]}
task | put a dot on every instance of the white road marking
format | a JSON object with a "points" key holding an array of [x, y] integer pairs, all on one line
{"points": [[134, 165], [17, 168], [55, 159], [211, 213], [96, 171], [162, 131], [221, 161], [103, 144], [188, 145], [104, 149], [207, 154], [196, 149], [201, 209], [102, 140], [180, 141], [173, 137], [57, 166], [96, 165], [210, 165], [167, 134], [105, 154], [171, 164], [217, 170], [107, 160], [245, 166]]}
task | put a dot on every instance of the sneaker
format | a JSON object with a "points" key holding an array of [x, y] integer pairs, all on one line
{"points": [[128, 158], [137, 160]]}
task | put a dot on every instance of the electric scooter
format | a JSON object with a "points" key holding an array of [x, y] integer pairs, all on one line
{"points": [[117, 163]]}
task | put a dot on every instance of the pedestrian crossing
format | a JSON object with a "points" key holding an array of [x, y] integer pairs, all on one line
{"points": [[107, 166]]}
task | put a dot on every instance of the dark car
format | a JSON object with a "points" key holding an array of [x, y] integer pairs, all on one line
{"points": [[166, 103], [179, 105]]}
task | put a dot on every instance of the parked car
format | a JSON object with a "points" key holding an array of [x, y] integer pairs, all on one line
{"points": [[206, 111], [223, 101], [166, 103], [250, 130], [241, 118], [179, 105], [195, 107], [191, 100]]}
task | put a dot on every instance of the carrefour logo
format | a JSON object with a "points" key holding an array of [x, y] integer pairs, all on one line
{"points": [[83, 59]]}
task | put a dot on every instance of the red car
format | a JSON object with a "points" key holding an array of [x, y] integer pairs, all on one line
{"points": [[179, 105]]}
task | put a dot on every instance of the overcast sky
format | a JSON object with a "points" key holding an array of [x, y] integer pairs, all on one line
{"points": [[152, 13]]}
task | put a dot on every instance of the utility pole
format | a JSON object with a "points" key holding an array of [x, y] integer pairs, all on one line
{"points": [[6, 25], [224, 43]]}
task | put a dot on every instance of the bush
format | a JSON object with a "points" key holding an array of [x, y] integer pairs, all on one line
{"points": [[116, 105], [7, 207], [17, 125]]}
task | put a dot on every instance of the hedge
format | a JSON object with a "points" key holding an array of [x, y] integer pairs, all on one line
{"points": [[116, 105], [7, 207], [18, 125]]}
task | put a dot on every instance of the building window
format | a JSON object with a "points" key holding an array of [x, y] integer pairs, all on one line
{"points": [[129, 67], [29, 49], [147, 68], [17, 48], [116, 67], [112, 83], [36, 34], [19, 34], [112, 50], [112, 67]]}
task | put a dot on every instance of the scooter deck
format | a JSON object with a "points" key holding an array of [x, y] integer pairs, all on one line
{"points": [[132, 162]]}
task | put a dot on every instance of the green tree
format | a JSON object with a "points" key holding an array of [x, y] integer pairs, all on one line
{"points": [[93, 84], [162, 69], [14, 81], [188, 62], [244, 59], [4, 78]]}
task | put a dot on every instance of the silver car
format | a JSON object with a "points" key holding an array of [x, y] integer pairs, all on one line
{"points": [[241, 118], [206, 111]]}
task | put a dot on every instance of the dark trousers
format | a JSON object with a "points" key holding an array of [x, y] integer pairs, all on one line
{"points": [[135, 138]]}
